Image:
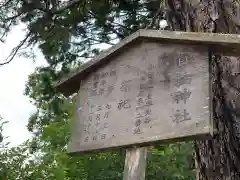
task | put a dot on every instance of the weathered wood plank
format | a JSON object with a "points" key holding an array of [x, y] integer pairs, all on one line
{"points": [[135, 164], [228, 43], [193, 37], [151, 93]]}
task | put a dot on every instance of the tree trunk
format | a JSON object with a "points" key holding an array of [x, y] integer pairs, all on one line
{"points": [[218, 158]]}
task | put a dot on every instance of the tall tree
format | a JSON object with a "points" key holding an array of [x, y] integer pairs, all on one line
{"points": [[67, 32], [217, 158]]}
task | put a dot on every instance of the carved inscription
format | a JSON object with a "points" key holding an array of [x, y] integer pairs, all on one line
{"points": [[180, 116], [96, 122], [182, 78], [181, 96], [100, 87], [144, 102], [124, 104], [143, 96], [100, 124]]}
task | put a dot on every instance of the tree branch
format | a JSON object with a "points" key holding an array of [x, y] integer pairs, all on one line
{"points": [[69, 5], [5, 31], [15, 50], [2, 5], [158, 13], [100, 41], [12, 17], [118, 24]]}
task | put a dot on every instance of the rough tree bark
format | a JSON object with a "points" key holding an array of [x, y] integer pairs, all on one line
{"points": [[219, 158]]}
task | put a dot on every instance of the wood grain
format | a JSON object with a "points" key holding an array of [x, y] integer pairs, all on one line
{"points": [[135, 164], [227, 44], [151, 93]]}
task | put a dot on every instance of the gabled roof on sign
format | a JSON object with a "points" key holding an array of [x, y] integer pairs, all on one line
{"points": [[71, 83]]}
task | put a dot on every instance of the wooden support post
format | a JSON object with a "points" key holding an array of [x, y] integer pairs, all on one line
{"points": [[135, 164]]}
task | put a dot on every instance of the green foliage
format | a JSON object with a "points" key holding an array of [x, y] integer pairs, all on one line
{"points": [[171, 162], [50, 160], [68, 33]]}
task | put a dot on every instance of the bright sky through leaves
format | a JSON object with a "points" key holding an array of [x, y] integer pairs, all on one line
{"points": [[14, 106]]}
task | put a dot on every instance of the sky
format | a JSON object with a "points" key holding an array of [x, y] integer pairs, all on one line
{"points": [[14, 106]]}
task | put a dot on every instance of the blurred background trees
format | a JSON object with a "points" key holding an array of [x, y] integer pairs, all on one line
{"points": [[70, 32]]}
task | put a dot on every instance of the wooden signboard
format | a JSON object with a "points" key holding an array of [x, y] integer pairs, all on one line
{"points": [[151, 92], [152, 87]]}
